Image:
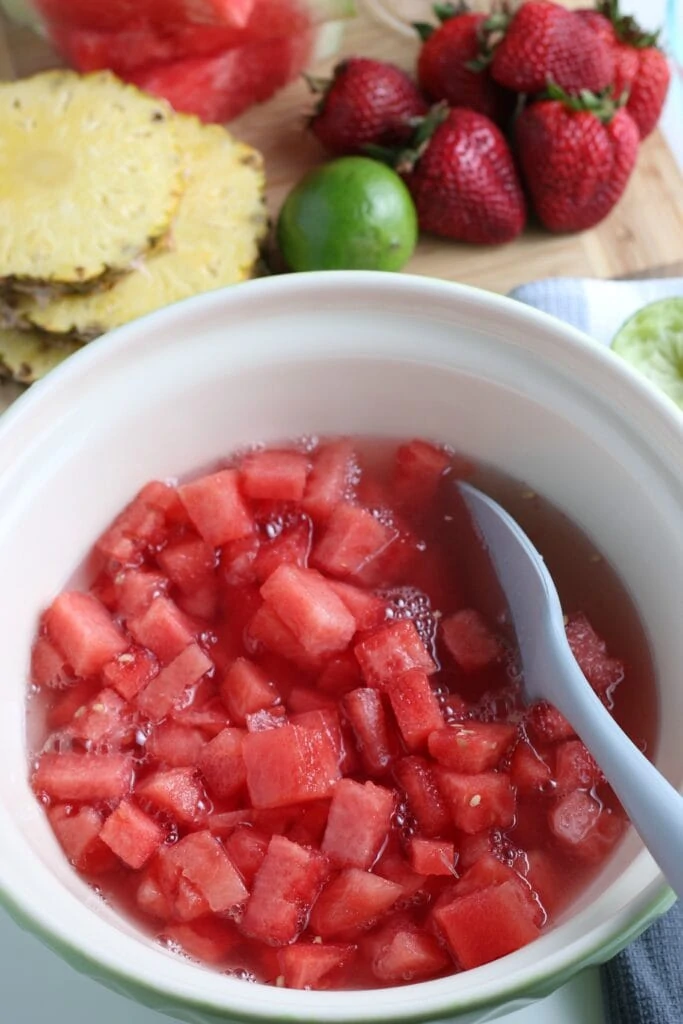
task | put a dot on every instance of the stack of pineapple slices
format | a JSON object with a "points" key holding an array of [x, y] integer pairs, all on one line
{"points": [[111, 206]]}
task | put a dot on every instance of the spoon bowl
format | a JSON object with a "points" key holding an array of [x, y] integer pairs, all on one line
{"points": [[551, 673]]}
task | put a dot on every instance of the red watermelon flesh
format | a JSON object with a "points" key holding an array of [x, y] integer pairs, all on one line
{"points": [[121, 14]]}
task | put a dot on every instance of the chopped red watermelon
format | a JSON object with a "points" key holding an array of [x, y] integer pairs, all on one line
{"points": [[312, 965], [246, 689], [132, 835], [221, 762], [79, 835], [48, 667], [425, 802], [238, 561], [575, 768], [82, 630], [305, 602], [209, 941], [163, 629], [190, 564], [169, 688], [106, 718], [367, 608], [583, 827], [267, 628], [289, 765], [358, 823], [400, 952], [547, 725], [470, 641], [177, 791], [247, 847], [285, 888], [83, 778], [204, 863], [274, 475], [137, 528], [472, 746], [477, 802], [122, 13], [328, 480], [432, 856], [376, 740], [70, 701], [352, 538], [214, 503], [130, 672], [418, 472], [175, 745], [340, 675], [351, 902], [291, 547], [391, 651], [601, 671], [415, 706], [528, 771], [488, 871], [486, 924], [135, 590]]}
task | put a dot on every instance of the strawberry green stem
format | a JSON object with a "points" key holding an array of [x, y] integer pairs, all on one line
{"points": [[602, 105], [626, 27]]}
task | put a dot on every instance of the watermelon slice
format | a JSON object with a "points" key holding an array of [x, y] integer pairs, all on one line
{"points": [[119, 14]]}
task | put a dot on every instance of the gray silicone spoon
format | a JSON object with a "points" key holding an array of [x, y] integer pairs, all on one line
{"points": [[551, 673]]}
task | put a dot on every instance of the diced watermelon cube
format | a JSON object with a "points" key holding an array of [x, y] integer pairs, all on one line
{"points": [[309, 607], [419, 469], [391, 651], [78, 833], [401, 952], [105, 718], [163, 629], [272, 718], [528, 771], [174, 745], [548, 878], [303, 699], [432, 856], [136, 589], [477, 802], [150, 895], [246, 689], [221, 762], [130, 672], [274, 475], [472, 848], [328, 480], [583, 827], [289, 765], [138, 527], [313, 965], [426, 804], [170, 686], [247, 847], [201, 603], [601, 671], [162, 495], [547, 725], [473, 746], [310, 823], [415, 706], [237, 565], [70, 701], [267, 628], [490, 871], [326, 721], [470, 641], [377, 743], [352, 538], [178, 792], [486, 924], [210, 941], [285, 888], [112, 17], [83, 778], [367, 608], [190, 564], [575, 768], [340, 675], [352, 901], [83, 632], [132, 835], [358, 823], [394, 867], [216, 507], [48, 667], [208, 715], [204, 863], [291, 547]]}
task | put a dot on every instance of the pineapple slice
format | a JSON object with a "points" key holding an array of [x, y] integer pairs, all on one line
{"points": [[25, 356], [214, 241], [90, 177]]}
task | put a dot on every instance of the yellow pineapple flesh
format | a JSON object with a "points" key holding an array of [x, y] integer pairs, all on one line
{"points": [[214, 240], [26, 356], [90, 177]]}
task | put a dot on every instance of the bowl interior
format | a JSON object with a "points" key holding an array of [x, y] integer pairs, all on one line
{"points": [[365, 355]]}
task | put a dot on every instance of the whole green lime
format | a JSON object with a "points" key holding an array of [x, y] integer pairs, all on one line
{"points": [[351, 214]]}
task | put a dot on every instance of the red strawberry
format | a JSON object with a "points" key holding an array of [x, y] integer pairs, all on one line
{"points": [[464, 181], [640, 67], [449, 67], [367, 102], [544, 43], [577, 156]]}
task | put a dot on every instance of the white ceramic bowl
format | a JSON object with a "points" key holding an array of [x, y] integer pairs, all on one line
{"points": [[330, 353]]}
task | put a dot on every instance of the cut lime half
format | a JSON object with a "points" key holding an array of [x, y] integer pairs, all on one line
{"points": [[652, 342]]}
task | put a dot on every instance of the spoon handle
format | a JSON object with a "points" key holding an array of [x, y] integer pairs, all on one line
{"points": [[653, 805]]}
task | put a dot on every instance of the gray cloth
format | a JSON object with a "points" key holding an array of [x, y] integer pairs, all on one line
{"points": [[644, 983]]}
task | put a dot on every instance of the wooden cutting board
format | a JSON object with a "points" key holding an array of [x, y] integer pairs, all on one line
{"points": [[644, 231]]}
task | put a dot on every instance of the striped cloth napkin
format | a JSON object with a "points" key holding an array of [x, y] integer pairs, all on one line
{"points": [[644, 983]]}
